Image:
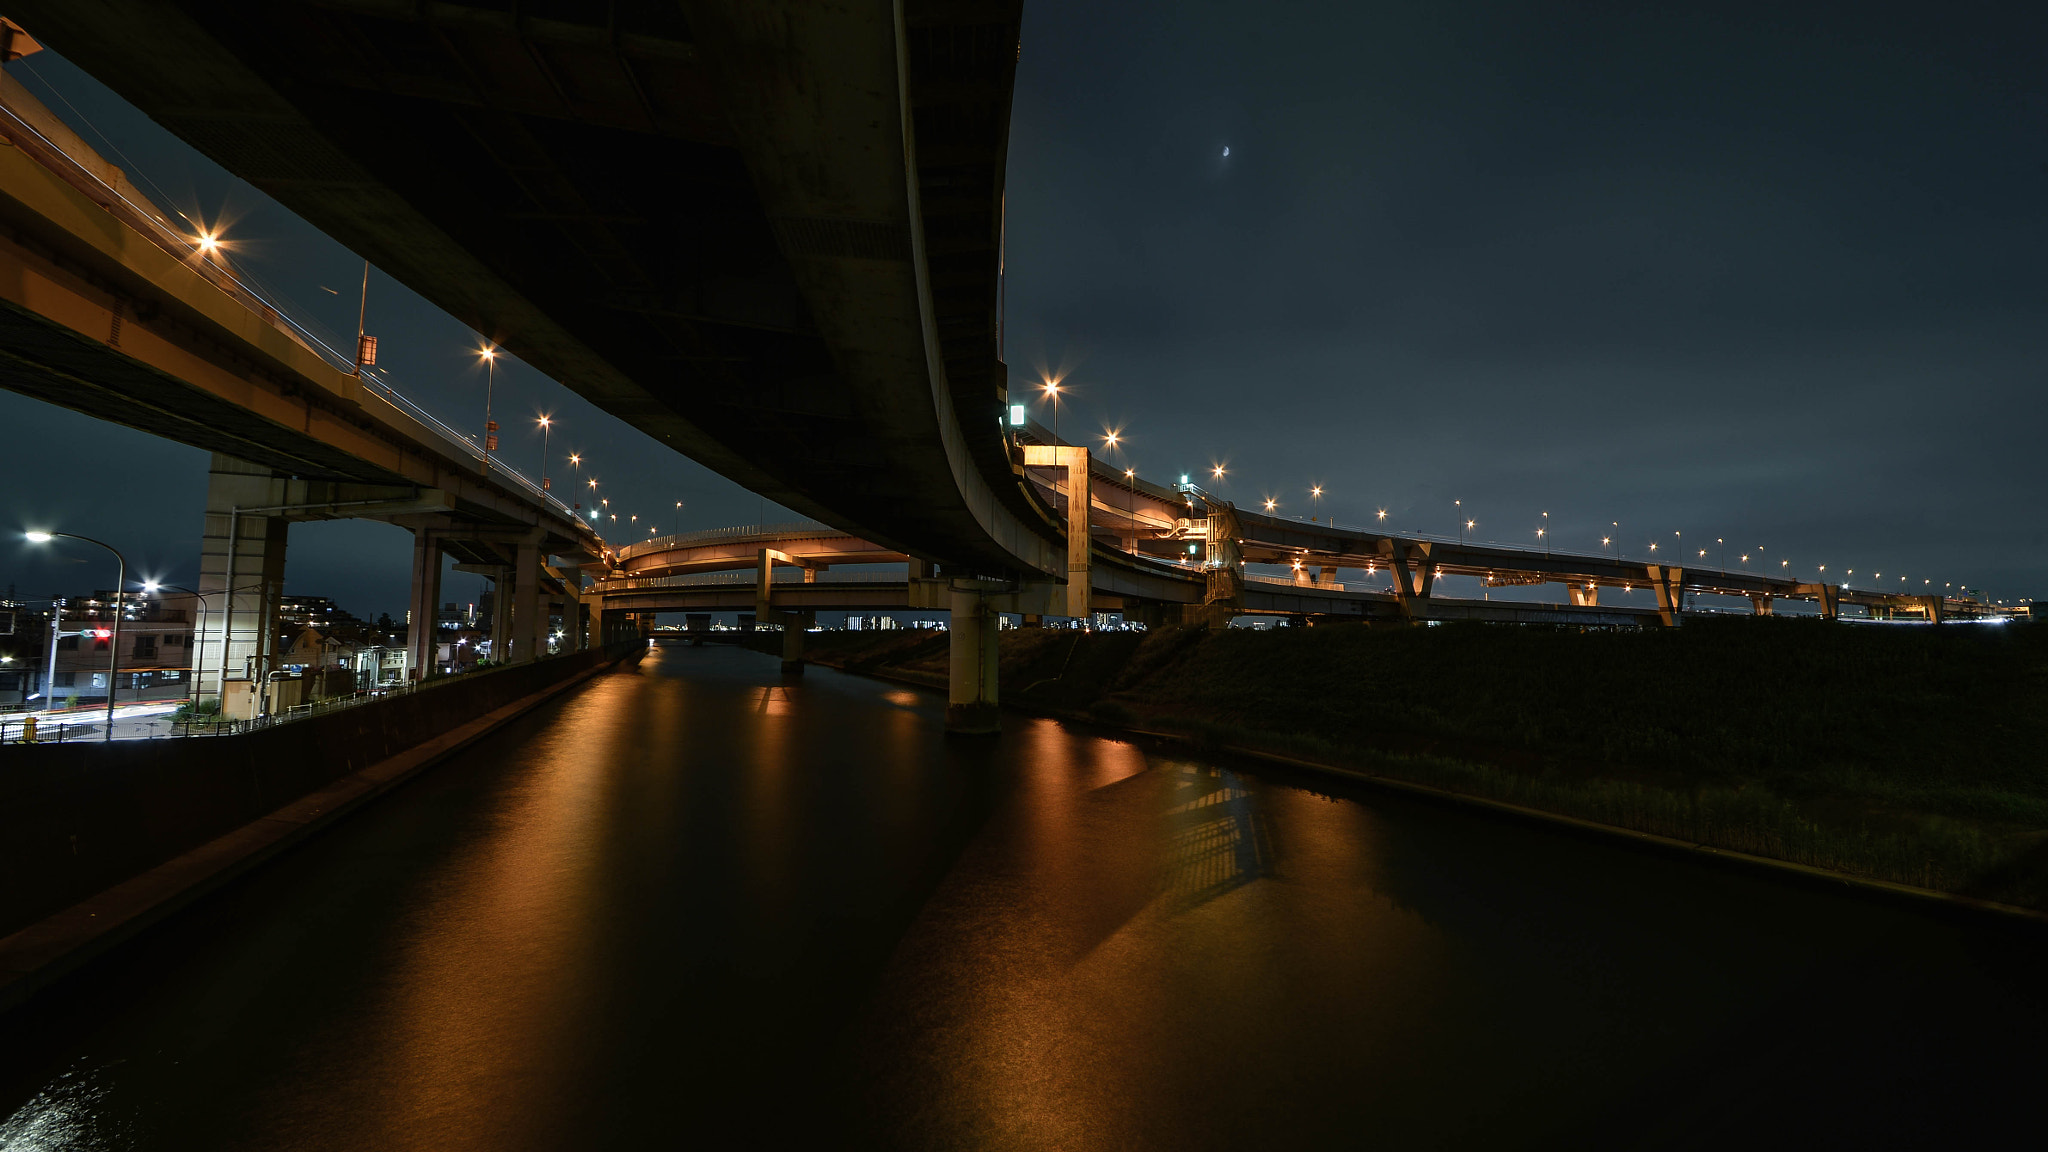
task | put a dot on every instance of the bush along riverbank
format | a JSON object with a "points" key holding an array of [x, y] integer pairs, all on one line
{"points": [[1913, 755]]}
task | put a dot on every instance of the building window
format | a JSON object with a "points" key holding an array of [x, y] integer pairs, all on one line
{"points": [[99, 679], [145, 646], [67, 679], [67, 643]]}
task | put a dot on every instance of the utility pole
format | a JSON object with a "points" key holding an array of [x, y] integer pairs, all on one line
{"points": [[366, 346]]}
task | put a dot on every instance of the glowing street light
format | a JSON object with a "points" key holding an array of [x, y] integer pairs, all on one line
{"points": [[1052, 393], [1315, 496], [489, 356], [114, 637], [547, 425], [1269, 504]]}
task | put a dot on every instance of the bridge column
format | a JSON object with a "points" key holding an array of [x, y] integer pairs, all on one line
{"points": [[241, 574], [1585, 595], [1933, 607], [794, 625], [1830, 601], [500, 623], [421, 634], [1669, 586], [1075, 460], [572, 607], [1761, 603], [971, 688], [529, 623], [1414, 574]]}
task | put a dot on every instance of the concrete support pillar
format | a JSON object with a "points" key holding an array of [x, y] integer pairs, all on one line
{"points": [[572, 608], [1328, 576], [500, 623], [1302, 579], [421, 639], [1585, 594], [971, 689], [1830, 601], [597, 637], [1074, 460], [529, 623], [241, 574], [1761, 602], [1414, 573], [1669, 585], [794, 625], [1932, 605]]}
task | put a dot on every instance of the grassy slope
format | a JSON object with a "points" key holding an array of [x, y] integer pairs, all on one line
{"points": [[1911, 754]]}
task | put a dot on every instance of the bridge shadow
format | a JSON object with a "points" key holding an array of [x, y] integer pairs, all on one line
{"points": [[1217, 841]]}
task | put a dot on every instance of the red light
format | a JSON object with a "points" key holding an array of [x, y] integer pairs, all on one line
{"points": [[102, 634]]}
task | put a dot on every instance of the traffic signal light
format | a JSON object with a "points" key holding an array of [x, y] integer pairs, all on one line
{"points": [[101, 637]]}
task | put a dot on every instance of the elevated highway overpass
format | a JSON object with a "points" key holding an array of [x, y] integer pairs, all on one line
{"points": [[107, 310], [768, 233]]}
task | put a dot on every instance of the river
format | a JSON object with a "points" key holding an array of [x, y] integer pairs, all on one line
{"points": [[697, 904]]}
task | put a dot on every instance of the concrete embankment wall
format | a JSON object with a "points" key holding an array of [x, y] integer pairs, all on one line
{"points": [[76, 818]]}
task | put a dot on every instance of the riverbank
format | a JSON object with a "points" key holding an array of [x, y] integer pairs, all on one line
{"points": [[1913, 756], [152, 826]]}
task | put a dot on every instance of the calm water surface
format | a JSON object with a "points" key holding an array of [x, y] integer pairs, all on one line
{"points": [[695, 904]]}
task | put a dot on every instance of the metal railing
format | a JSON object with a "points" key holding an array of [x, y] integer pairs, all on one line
{"points": [[793, 529], [782, 576]]}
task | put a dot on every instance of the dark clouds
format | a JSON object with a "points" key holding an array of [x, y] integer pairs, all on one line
{"points": [[1771, 272], [1759, 272]]}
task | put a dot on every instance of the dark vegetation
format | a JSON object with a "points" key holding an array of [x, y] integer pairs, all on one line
{"points": [[1912, 754]]}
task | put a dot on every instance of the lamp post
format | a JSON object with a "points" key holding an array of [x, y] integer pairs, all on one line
{"points": [[198, 659], [490, 358], [1315, 500], [547, 425], [114, 640], [50, 669], [1052, 392], [1110, 440]]}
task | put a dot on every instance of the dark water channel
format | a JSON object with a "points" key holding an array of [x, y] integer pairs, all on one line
{"points": [[696, 905]]}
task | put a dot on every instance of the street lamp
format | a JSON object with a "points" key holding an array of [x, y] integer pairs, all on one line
{"points": [[490, 358], [1112, 444], [546, 425], [1315, 498], [1052, 392], [199, 650], [114, 641]]}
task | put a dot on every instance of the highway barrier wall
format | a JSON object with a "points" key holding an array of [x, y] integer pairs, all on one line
{"points": [[77, 818]]}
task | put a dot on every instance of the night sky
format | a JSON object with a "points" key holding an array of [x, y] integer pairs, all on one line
{"points": [[1769, 273]]}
